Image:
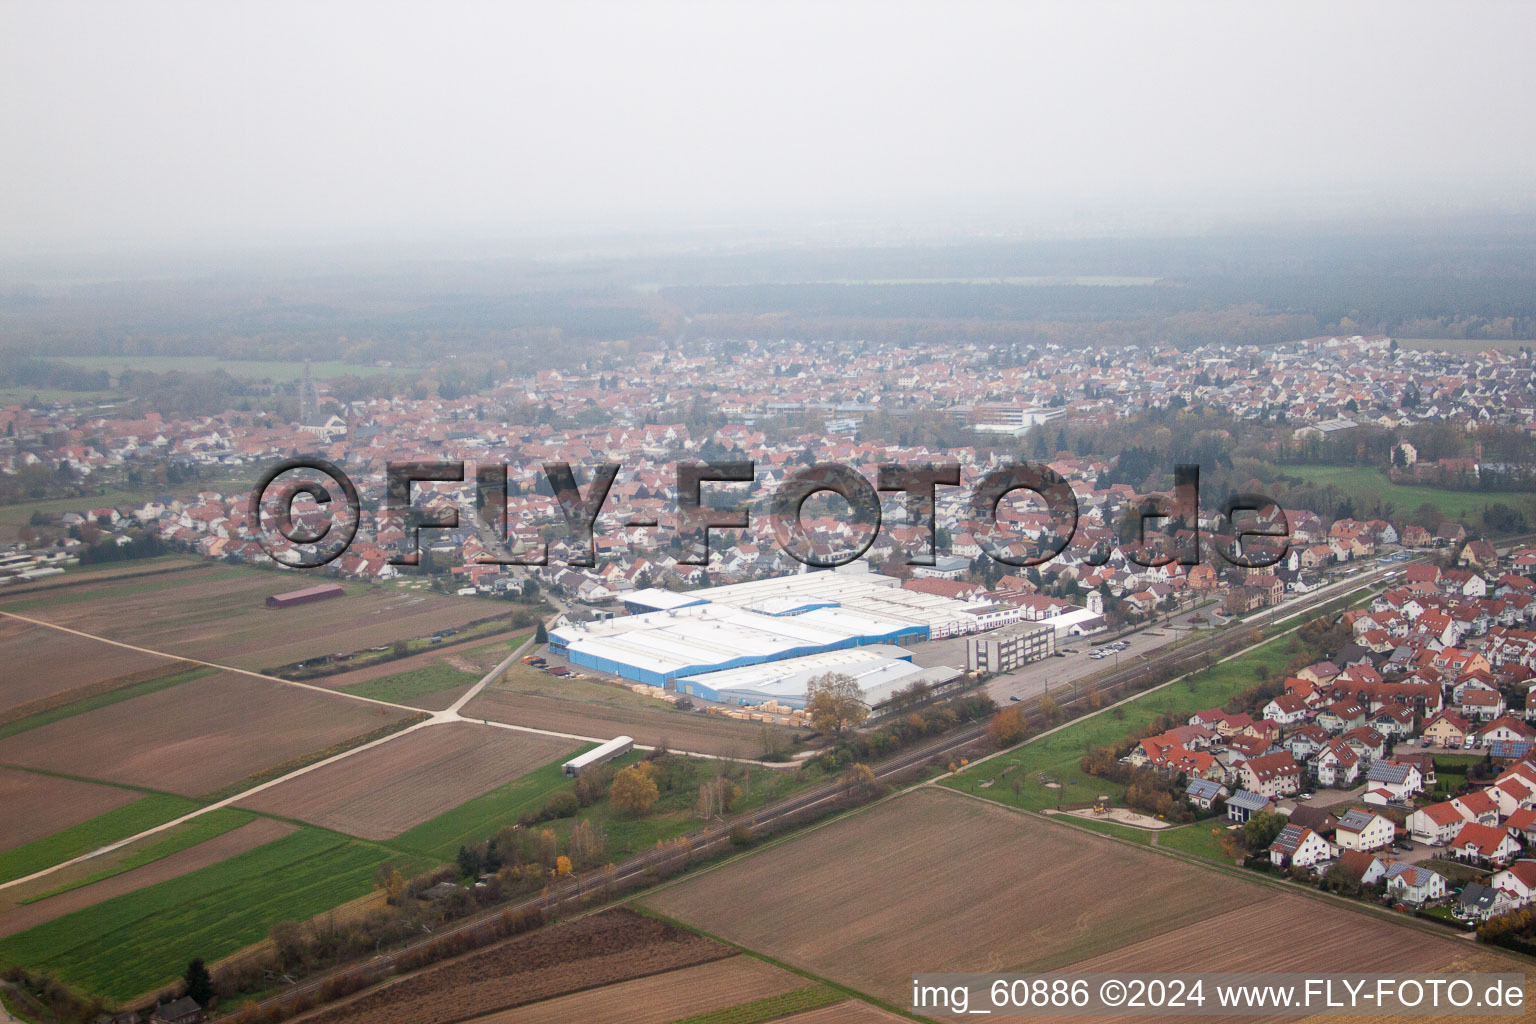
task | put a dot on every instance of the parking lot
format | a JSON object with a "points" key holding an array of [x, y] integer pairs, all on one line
{"points": [[1075, 663]]}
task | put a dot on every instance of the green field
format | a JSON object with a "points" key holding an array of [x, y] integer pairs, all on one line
{"points": [[249, 369], [130, 819], [133, 944], [182, 837], [100, 700], [480, 818], [1196, 838], [404, 687], [1058, 754], [531, 680], [1367, 486], [771, 1007], [673, 814]]}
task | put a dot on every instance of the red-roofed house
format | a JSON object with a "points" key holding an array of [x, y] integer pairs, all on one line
{"points": [[1483, 844]]}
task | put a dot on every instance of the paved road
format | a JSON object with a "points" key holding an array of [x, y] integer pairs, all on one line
{"points": [[440, 718]]}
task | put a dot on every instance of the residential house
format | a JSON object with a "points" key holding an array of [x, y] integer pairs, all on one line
{"points": [[1298, 846], [1364, 830], [1477, 806], [1505, 729], [1273, 775], [1447, 729], [1243, 805], [1436, 824], [1518, 881], [1336, 765], [1483, 844], [1398, 778], [1342, 716], [1415, 885], [1203, 793], [1478, 902]]}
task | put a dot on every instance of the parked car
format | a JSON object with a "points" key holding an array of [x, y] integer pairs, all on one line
{"points": [[1014, 697]]}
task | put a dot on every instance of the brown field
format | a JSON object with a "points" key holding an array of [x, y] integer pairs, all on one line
{"points": [[45, 668], [33, 806], [587, 953], [198, 736], [468, 657], [661, 998], [246, 837], [851, 1012], [218, 613], [935, 882], [384, 791], [680, 730], [1354, 943]]}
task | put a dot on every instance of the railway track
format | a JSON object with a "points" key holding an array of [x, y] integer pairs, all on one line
{"points": [[640, 866], [636, 868]]}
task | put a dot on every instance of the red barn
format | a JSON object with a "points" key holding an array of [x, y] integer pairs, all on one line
{"points": [[305, 596]]}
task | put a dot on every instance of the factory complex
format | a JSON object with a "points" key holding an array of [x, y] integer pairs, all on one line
{"points": [[749, 643]]}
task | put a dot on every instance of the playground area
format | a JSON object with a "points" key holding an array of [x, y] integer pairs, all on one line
{"points": [[1102, 811]]}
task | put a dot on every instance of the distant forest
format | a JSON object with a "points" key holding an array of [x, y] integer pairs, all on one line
{"points": [[1468, 280]]}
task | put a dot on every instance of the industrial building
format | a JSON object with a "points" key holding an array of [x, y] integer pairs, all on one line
{"points": [[879, 669], [736, 626], [1008, 649], [616, 747]]}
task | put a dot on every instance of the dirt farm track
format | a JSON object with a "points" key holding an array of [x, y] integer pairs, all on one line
{"points": [[218, 613], [246, 837], [679, 730], [40, 805], [197, 736], [44, 667]]}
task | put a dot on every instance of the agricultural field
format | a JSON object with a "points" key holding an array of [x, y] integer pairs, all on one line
{"points": [[218, 613], [476, 820], [384, 791], [126, 857], [982, 888], [701, 992], [848, 1012], [605, 949], [47, 669], [132, 944], [1355, 942], [1027, 898], [247, 836], [197, 737], [433, 687], [677, 730], [36, 806], [144, 812]]}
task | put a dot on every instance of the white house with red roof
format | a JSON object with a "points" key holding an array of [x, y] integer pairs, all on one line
{"points": [[1518, 881], [1483, 844], [1299, 846], [1436, 824]]}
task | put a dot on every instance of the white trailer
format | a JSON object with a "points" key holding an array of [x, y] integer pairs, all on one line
{"points": [[616, 747]]}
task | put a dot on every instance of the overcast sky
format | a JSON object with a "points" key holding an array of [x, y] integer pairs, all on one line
{"points": [[142, 125]]}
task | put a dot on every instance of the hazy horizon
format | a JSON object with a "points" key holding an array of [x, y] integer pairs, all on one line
{"points": [[173, 126]]}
